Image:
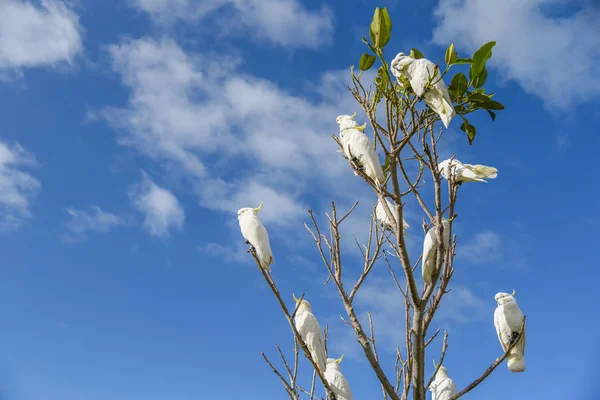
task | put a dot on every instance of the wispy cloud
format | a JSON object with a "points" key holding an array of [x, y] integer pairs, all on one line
{"points": [[286, 23], [186, 108], [17, 187], [235, 253], [32, 35], [550, 54], [95, 220], [161, 209], [488, 247]]}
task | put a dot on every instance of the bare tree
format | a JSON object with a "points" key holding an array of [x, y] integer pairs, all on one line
{"points": [[408, 134]]}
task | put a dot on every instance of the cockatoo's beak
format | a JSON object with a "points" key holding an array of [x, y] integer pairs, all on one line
{"points": [[362, 127], [295, 299], [339, 360], [513, 293], [259, 207]]}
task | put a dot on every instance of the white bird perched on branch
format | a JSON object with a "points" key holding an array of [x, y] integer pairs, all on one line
{"points": [[508, 320], [336, 380], [430, 250], [310, 331], [442, 388], [382, 216], [256, 235], [427, 83], [356, 145], [466, 172]]}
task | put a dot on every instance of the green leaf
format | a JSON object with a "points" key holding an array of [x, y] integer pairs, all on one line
{"points": [[381, 83], [469, 130], [492, 105], [478, 97], [416, 54], [480, 57], [451, 55], [492, 114], [479, 81], [387, 163], [366, 61], [381, 28], [388, 23], [463, 61], [458, 85]]}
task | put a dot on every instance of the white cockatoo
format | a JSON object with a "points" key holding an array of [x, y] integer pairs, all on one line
{"points": [[466, 172], [355, 144], [508, 320], [256, 235], [430, 250], [310, 331], [336, 380], [382, 216], [442, 387], [419, 73]]}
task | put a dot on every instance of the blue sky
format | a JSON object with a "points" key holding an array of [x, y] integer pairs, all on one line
{"points": [[131, 134]]}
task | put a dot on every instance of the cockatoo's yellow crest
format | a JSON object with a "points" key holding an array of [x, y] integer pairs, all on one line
{"points": [[513, 293], [257, 209], [339, 360]]}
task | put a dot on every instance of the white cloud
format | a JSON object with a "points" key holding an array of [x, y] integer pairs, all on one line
{"points": [[186, 109], [81, 222], [17, 187], [486, 246], [552, 57], [235, 253], [32, 36], [285, 23], [160, 207]]}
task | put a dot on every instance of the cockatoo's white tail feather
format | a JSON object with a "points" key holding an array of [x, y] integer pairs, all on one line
{"points": [[516, 362]]}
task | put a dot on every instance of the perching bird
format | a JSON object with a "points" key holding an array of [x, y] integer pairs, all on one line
{"points": [[336, 380], [256, 235], [508, 320], [430, 250], [357, 145], [420, 73], [310, 331], [442, 388], [466, 172], [382, 217]]}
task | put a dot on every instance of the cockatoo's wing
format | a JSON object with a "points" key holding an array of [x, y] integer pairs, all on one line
{"points": [[483, 171], [339, 385], [361, 148], [255, 232], [420, 73], [502, 329], [315, 345], [429, 255], [309, 329]]}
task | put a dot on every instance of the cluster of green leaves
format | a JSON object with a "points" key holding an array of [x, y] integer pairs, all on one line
{"points": [[468, 95]]}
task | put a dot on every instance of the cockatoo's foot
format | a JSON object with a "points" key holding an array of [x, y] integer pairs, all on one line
{"points": [[248, 243], [514, 338]]}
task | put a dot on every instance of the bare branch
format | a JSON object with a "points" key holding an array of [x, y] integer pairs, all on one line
{"points": [[491, 368], [444, 348]]}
